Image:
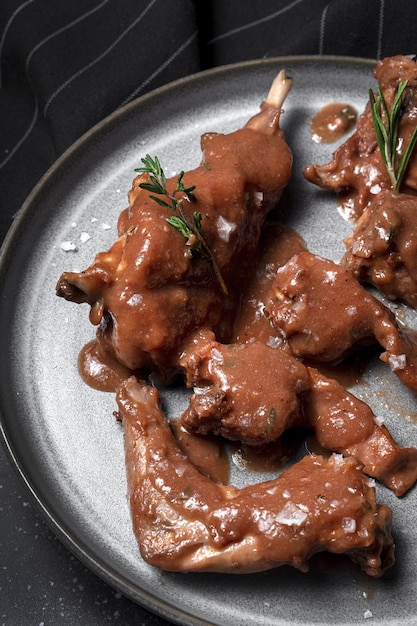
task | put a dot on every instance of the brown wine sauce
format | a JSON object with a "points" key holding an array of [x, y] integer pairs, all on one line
{"points": [[350, 372], [212, 455], [98, 369], [208, 453], [332, 122], [270, 457]]}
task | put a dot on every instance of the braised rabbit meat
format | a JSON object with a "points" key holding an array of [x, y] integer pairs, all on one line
{"points": [[184, 521], [382, 249], [377, 184], [201, 290], [324, 313], [148, 293], [357, 171], [256, 405]]}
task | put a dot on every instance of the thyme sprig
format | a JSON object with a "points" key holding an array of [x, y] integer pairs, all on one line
{"points": [[386, 124], [189, 227]]}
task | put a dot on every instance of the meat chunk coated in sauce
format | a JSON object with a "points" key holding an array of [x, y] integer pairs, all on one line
{"points": [[357, 171], [245, 392], [183, 521], [277, 245], [253, 393], [147, 295], [382, 249], [324, 313], [343, 423]]}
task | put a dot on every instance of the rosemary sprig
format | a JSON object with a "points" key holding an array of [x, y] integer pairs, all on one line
{"points": [[386, 124], [189, 227]]}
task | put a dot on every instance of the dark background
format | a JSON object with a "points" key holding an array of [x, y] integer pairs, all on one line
{"points": [[64, 67]]}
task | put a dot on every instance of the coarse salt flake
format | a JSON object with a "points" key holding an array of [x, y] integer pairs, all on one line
{"points": [[105, 226], [338, 460], [68, 246], [330, 277], [258, 197], [84, 237], [225, 228], [274, 342], [367, 614], [349, 525], [134, 299], [291, 515], [351, 310], [397, 361]]}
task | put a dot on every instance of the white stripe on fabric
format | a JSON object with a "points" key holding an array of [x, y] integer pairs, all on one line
{"points": [[160, 69], [63, 29], [34, 49], [97, 59], [262, 20], [9, 23], [380, 29], [323, 28], [67, 82]]}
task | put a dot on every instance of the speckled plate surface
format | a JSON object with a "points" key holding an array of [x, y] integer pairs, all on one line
{"points": [[62, 435]]}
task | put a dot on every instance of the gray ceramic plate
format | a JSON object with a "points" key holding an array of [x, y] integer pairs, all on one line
{"points": [[62, 435]]}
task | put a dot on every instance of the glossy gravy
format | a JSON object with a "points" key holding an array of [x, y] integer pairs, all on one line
{"points": [[332, 122]]}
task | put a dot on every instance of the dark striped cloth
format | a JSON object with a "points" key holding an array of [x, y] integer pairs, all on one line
{"points": [[67, 65]]}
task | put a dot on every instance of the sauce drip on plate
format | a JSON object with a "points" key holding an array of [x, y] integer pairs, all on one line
{"points": [[332, 122]]}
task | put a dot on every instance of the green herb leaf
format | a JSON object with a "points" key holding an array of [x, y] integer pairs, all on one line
{"points": [[406, 157], [153, 187], [180, 225], [197, 220], [161, 202], [386, 125]]}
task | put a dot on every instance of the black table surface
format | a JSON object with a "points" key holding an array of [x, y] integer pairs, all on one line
{"points": [[66, 66]]}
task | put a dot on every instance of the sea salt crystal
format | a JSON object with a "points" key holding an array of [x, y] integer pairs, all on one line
{"points": [[351, 310], [367, 614], [338, 460], [134, 299], [330, 277], [225, 228], [291, 515], [273, 342], [349, 525], [397, 361], [68, 246], [258, 197], [84, 237]]}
